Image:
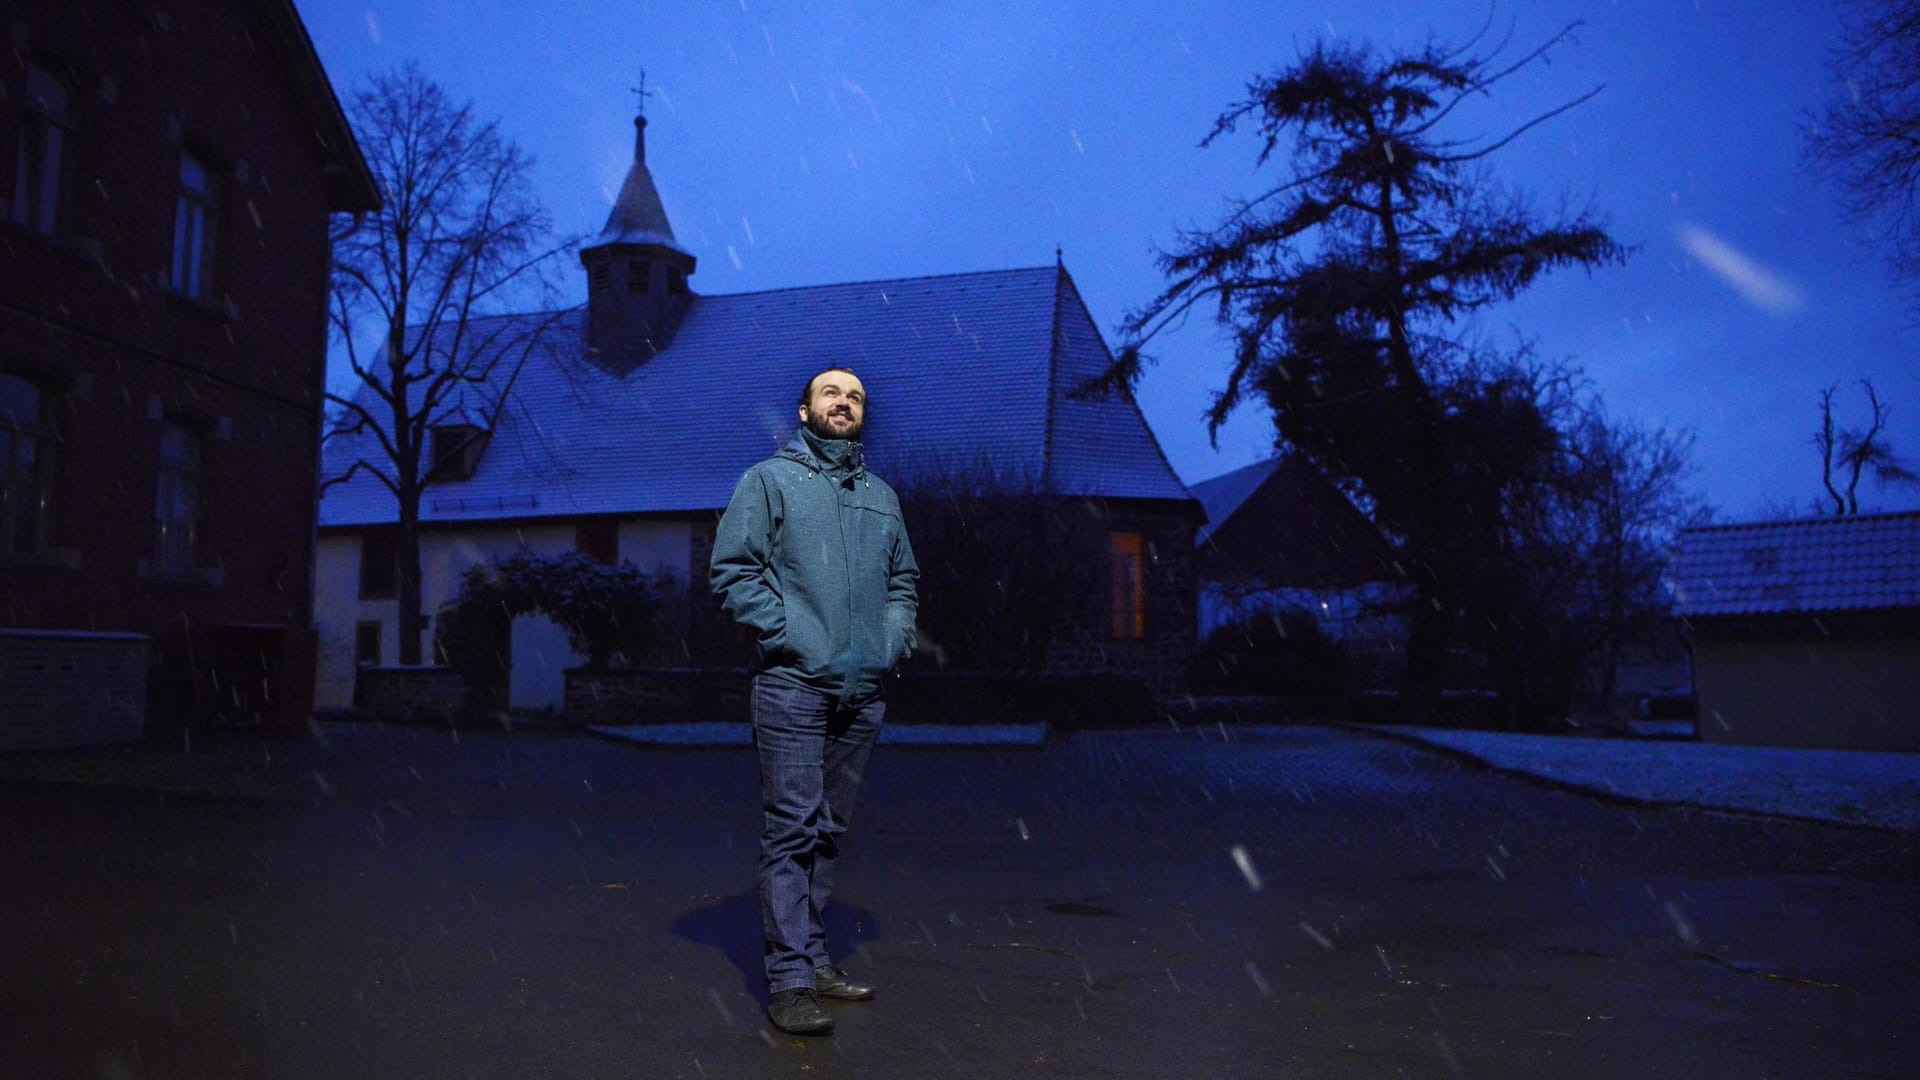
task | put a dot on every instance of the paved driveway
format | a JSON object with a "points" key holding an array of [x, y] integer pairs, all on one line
{"points": [[1294, 902]]}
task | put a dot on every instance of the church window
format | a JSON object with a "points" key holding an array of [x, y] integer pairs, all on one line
{"points": [[454, 450], [1127, 588], [366, 643], [379, 563]]}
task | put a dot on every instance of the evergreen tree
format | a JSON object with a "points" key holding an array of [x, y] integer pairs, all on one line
{"points": [[1349, 286]]}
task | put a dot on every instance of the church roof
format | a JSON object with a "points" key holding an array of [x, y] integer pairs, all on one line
{"points": [[638, 216], [970, 376]]}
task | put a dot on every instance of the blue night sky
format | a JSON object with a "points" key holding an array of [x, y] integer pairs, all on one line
{"points": [[843, 140]]}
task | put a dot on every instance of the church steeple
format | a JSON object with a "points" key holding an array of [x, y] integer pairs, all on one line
{"points": [[636, 271]]}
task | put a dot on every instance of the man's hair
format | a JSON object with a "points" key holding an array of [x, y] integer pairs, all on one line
{"points": [[806, 391]]}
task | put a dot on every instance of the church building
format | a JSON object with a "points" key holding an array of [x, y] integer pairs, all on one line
{"points": [[634, 416]]}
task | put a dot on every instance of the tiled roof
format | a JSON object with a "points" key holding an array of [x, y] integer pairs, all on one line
{"points": [[1223, 494], [1860, 563], [1100, 444], [1282, 522], [963, 372]]}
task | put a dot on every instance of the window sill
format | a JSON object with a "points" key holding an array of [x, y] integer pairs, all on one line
{"points": [[198, 577], [222, 312], [81, 250], [56, 559]]}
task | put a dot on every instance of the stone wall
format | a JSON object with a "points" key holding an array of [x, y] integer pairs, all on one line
{"points": [[1161, 666], [420, 695], [656, 695]]}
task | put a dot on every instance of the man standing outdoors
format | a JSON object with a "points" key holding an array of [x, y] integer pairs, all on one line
{"points": [[812, 556]]}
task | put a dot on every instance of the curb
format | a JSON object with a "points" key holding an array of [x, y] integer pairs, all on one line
{"points": [[1605, 795]]}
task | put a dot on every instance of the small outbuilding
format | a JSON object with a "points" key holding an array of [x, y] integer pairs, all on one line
{"points": [[1282, 537], [1805, 632]]}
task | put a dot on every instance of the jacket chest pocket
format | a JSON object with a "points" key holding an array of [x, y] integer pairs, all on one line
{"points": [[872, 514], [874, 523]]}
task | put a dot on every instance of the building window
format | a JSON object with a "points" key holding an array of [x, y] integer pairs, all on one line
{"points": [[40, 159], [598, 539], [366, 644], [676, 280], [379, 564], [639, 275], [176, 508], [26, 456], [602, 276], [196, 218], [454, 451], [1127, 587]]}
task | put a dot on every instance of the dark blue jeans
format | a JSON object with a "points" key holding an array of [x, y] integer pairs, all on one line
{"points": [[812, 757]]}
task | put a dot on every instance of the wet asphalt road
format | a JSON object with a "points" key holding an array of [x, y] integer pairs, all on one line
{"points": [[1292, 902]]}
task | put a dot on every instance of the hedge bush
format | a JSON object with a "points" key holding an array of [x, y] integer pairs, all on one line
{"points": [[604, 610]]}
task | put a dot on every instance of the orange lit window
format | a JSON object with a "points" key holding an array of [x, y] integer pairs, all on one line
{"points": [[1128, 586]]}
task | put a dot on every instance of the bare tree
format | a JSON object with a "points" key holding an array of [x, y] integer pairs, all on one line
{"points": [[1629, 502], [1854, 452], [1869, 139], [459, 238]]}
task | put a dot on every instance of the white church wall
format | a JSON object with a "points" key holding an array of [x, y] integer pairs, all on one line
{"points": [[541, 654], [660, 544]]}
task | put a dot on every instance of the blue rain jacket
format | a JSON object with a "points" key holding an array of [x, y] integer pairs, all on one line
{"points": [[812, 554]]}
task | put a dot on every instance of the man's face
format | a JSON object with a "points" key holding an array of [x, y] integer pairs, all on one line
{"points": [[836, 406]]}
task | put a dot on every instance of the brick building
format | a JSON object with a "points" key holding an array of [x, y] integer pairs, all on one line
{"points": [[633, 418], [168, 176]]}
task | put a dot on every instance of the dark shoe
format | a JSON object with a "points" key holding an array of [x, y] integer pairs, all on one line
{"points": [[831, 981], [797, 1012]]}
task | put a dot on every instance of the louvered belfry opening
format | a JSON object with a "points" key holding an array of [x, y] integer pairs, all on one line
{"points": [[637, 293]]}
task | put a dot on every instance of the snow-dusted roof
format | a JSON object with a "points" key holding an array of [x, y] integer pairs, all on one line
{"points": [[1862, 563], [1282, 522], [1223, 494], [964, 371]]}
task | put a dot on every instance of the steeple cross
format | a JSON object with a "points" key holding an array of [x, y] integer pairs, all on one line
{"points": [[640, 93]]}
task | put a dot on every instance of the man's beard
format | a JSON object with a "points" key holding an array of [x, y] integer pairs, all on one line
{"points": [[817, 423]]}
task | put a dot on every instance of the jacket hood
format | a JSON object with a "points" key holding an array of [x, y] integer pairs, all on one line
{"points": [[842, 456]]}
